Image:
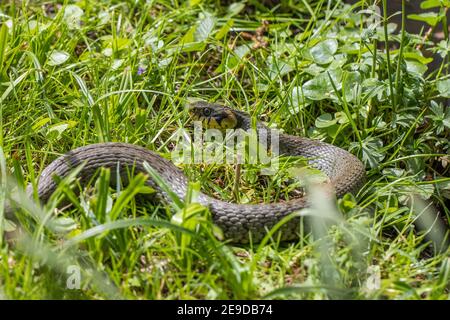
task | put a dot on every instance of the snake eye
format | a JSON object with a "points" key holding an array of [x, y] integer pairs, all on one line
{"points": [[206, 112]]}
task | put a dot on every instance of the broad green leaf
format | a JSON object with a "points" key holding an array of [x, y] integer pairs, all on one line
{"points": [[204, 28], [313, 69], [117, 64], [425, 191], [323, 52], [104, 18], [72, 16], [431, 18], [336, 77], [59, 128], [278, 68], [443, 48], [444, 188], [307, 175], [235, 8], [429, 4], [316, 88], [188, 47], [443, 87], [418, 57], [414, 66], [325, 120], [341, 117], [189, 36], [115, 42], [320, 87], [372, 151], [446, 121], [154, 42], [58, 57], [394, 172]]}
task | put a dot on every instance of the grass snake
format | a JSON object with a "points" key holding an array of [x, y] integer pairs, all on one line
{"points": [[345, 172]]}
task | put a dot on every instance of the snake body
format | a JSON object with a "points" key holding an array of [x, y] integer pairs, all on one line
{"points": [[345, 171]]}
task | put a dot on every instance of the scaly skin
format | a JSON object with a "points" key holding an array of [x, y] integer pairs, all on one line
{"points": [[346, 174]]}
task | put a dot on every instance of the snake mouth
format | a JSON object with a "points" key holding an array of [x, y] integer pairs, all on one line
{"points": [[212, 116]]}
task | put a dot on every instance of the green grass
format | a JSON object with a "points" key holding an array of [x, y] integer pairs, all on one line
{"points": [[124, 70]]}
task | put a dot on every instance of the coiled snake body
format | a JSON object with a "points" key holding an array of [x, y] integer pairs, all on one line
{"points": [[345, 171]]}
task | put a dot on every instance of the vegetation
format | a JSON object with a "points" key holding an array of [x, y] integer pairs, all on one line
{"points": [[79, 72]]}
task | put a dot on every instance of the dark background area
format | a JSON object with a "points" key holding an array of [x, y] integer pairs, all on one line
{"points": [[394, 8], [412, 7]]}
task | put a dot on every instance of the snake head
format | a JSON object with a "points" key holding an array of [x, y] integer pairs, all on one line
{"points": [[213, 116]]}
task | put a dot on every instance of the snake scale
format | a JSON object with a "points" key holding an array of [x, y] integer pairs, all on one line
{"points": [[345, 172]]}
